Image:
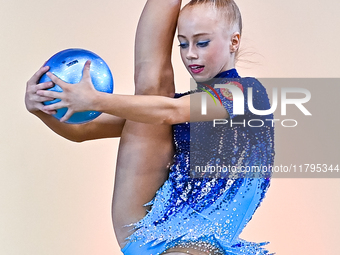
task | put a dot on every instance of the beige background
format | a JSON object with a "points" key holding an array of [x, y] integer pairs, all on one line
{"points": [[55, 195]]}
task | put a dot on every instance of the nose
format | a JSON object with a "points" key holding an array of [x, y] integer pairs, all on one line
{"points": [[191, 53]]}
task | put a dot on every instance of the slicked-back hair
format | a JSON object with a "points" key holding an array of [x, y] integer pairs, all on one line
{"points": [[228, 8]]}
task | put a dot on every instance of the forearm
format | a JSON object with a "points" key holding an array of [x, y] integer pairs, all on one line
{"points": [[144, 109], [153, 46], [158, 20], [101, 127], [69, 132], [159, 109]]}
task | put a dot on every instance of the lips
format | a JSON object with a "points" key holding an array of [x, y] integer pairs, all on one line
{"points": [[196, 68]]}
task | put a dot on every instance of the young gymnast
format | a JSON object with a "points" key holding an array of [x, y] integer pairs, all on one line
{"points": [[195, 215]]}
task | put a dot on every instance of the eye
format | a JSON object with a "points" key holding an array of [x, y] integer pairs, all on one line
{"points": [[203, 43], [183, 45]]}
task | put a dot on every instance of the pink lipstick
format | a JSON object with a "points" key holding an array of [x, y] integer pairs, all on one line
{"points": [[196, 69]]}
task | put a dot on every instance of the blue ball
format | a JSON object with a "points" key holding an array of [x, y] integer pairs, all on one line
{"points": [[68, 65]]}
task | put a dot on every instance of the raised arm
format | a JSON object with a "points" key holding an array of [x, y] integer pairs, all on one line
{"points": [[153, 45]]}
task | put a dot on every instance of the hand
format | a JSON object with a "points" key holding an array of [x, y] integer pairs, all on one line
{"points": [[33, 101], [76, 97]]}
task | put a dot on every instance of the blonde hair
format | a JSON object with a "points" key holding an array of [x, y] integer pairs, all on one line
{"points": [[228, 8]]}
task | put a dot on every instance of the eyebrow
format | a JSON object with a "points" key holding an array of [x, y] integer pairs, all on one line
{"points": [[196, 35]]}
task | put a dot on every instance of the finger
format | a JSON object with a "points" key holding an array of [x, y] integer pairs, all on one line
{"points": [[42, 99], [54, 107], [42, 86], [41, 108], [86, 70], [36, 77], [33, 88], [34, 97], [56, 80], [49, 112], [50, 94], [67, 115]]}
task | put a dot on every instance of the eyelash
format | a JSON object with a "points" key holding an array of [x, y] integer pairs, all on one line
{"points": [[203, 44], [183, 45], [199, 44]]}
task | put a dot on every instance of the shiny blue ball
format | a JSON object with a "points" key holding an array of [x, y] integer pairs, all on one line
{"points": [[68, 66]]}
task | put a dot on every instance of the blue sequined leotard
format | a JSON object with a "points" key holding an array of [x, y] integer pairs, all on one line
{"points": [[193, 209]]}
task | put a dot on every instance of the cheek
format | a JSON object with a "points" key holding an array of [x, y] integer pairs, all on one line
{"points": [[212, 56], [220, 54]]}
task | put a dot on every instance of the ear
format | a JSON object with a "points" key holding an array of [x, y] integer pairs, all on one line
{"points": [[235, 42]]}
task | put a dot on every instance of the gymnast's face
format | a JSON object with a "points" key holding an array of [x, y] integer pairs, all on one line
{"points": [[207, 43]]}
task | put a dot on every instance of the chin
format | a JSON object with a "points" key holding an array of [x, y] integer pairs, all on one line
{"points": [[199, 78]]}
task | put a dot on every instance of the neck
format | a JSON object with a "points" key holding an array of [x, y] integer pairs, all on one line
{"points": [[231, 73]]}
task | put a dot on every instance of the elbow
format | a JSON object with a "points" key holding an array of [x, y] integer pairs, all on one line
{"points": [[80, 133], [178, 112], [168, 121], [76, 139], [155, 82], [174, 117]]}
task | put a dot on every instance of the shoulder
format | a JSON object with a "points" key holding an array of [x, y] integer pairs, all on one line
{"points": [[252, 82], [257, 88], [246, 84], [259, 96]]}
